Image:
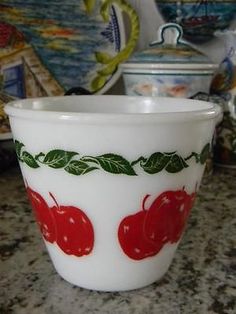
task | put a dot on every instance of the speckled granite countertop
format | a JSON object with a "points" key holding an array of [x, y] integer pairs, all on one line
{"points": [[201, 279]]}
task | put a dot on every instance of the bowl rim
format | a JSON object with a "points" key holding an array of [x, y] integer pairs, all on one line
{"points": [[201, 110], [168, 66]]}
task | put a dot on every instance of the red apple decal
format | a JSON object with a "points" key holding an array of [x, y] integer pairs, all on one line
{"points": [[157, 223], [167, 216], [144, 233], [75, 235], [180, 213], [43, 215], [68, 226], [132, 236]]}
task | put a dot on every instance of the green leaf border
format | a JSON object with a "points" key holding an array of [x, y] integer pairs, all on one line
{"points": [[76, 164]]}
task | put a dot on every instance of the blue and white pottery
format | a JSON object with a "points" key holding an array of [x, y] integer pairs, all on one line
{"points": [[48, 48], [170, 67]]}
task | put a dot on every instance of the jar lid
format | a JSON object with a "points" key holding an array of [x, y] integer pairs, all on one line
{"points": [[170, 51]]}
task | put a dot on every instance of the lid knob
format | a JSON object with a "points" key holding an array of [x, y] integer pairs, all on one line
{"points": [[169, 34]]}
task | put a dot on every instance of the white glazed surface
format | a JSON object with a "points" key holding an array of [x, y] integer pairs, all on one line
{"points": [[166, 84], [107, 198]]}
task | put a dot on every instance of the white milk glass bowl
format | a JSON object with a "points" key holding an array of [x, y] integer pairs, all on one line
{"points": [[111, 180]]}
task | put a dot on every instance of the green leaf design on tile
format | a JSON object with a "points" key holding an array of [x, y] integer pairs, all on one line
{"points": [[103, 57], [29, 160], [108, 70], [56, 158], [98, 82], [89, 5], [110, 64]]}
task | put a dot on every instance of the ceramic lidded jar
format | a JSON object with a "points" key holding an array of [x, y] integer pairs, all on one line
{"points": [[170, 67]]}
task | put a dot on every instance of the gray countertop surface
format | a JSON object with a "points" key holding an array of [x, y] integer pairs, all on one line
{"points": [[200, 280]]}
